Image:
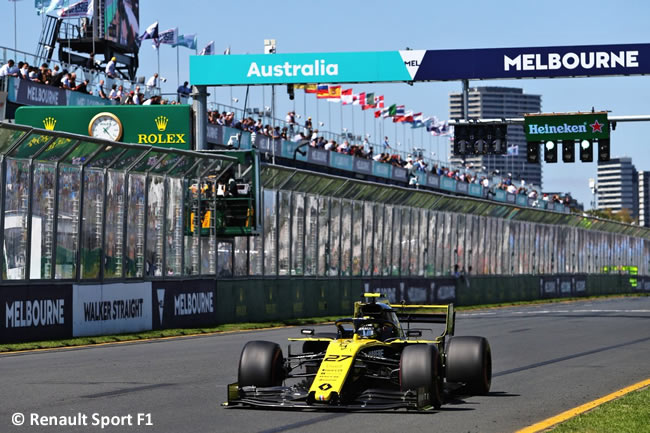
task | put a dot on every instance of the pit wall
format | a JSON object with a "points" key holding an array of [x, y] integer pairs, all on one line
{"points": [[57, 311]]}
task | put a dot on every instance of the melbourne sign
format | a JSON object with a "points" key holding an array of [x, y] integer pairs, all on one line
{"points": [[35, 312], [421, 65], [580, 126], [183, 304], [156, 125]]}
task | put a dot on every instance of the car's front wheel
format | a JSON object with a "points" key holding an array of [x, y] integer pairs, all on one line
{"points": [[261, 364], [420, 367]]}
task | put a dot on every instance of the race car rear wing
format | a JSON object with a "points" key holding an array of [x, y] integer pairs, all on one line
{"points": [[428, 314]]}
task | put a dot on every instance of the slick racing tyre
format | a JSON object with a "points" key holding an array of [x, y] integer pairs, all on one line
{"points": [[420, 367], [469, 361], [261, 364]]}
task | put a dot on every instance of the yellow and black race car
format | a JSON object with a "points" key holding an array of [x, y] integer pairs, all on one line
{"points": [[370, 363]]}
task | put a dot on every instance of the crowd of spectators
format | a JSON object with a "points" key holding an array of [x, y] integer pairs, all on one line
{"points": [[64, 79], [413, 162]]}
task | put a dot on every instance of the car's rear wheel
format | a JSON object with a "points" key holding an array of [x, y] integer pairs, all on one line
{"points": [[469, 361], [420, 367], [261, 364]]}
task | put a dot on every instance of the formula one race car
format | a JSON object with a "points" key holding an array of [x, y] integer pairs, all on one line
{"points": [[370, 363]]}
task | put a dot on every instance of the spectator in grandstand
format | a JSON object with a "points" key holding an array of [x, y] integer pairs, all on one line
{"points": [[33, 74], [24, 71], [100, 90], [153, 80], [90, 63], [183, 91], [42, 72], [58, 77], [9, 69], [83, 87], [386, 142], [308, 127], [138, 97], [110, 68], [47, 77], [113, 93], [291, 120], [129, 98], [154, 100], [66, 82]]}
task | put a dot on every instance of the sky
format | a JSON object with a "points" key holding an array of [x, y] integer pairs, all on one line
{"points": [[338, 26]]}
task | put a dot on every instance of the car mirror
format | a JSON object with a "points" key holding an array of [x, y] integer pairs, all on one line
{"points": [[307, 331]]}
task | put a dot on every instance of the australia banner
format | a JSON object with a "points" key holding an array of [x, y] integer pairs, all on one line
{"points": [[422, 65]]}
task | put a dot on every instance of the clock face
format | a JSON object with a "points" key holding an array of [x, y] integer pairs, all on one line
{"points": [[106, 126]]}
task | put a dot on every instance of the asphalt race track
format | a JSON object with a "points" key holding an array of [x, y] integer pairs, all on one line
{"points": [[547, 358]]}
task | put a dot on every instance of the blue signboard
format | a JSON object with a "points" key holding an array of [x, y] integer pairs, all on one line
{"points": [[476, 190], [342, 161], [421, 65], [253, 69], [447, 183]]}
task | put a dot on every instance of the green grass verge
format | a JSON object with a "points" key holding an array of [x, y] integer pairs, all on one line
{"points": [[550, 301], [82, 341], [628, 414]]}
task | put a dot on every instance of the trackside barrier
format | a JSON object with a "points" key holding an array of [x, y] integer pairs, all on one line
{"points": [[57, 311]]}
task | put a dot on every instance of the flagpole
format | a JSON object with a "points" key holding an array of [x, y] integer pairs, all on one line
{"points": [[374, 127], [15, 31], [304, 103], [395, 142], [353, 131], [341, 113], [178, 73], [158, 55], [329, 115]]}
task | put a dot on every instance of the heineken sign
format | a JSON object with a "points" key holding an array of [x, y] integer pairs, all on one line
{"points": [[579, 126]]}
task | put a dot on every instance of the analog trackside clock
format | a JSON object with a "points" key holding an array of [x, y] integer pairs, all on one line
{"points": [[106, 126]]}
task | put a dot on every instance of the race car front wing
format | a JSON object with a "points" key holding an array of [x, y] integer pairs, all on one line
{"points": [[296, 398]]}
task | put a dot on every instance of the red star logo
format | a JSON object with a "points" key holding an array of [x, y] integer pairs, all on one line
{"points": [[596, 127]]}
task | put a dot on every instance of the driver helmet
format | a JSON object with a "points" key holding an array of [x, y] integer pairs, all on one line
{"points": [[367, 331]]}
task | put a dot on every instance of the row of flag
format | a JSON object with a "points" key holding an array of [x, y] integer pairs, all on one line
{"points": [[64, 10], [173, 38], [335, 93], [85, 9]]}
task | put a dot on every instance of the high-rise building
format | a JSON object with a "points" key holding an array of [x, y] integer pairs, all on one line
{"points": [[498, 103], [618, 185], [644, 198]]}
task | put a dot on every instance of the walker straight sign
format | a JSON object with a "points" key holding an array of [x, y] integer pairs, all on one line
{"points": [[421, 65]]}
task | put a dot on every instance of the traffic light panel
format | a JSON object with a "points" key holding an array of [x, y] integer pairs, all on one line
{"points": [[480, 139], [603, 150], [550, 151], [497, 139], [568, 151], [533, 152], [477, 138], [461, 140], [586, 151]]}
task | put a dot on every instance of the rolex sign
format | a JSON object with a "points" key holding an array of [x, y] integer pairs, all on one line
{"points": [[154, 125]]}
